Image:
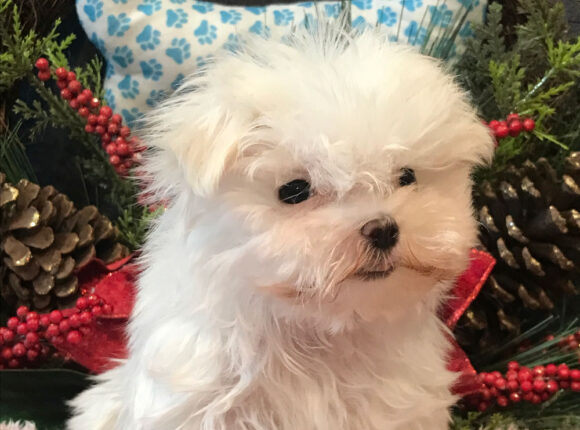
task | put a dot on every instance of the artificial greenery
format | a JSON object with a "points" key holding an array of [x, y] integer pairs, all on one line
{"points": [[114, 195], [536, 75]]}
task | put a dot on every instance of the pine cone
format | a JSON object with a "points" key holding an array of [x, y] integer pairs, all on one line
{"points": [[530, 222], [43, 239]]}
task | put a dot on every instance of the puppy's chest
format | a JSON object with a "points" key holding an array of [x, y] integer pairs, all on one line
{"points": [[346, 386]]}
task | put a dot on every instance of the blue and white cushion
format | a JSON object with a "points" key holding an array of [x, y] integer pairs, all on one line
{"points": [[150, 45]]}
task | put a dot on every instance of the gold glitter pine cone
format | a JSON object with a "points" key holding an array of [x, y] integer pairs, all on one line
{"points": [[530, 222], [43, 239]]}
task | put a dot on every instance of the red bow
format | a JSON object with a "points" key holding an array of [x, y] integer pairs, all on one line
{"points": [[115, 284]]}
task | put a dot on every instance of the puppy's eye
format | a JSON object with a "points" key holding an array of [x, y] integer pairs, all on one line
{"points": [[294, 192], [407, 177]]}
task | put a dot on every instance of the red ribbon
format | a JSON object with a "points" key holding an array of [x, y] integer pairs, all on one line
{"points": [[115, 284]]}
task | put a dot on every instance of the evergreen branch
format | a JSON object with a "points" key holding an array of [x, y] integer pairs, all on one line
{"points": [[134, 224], [550, 138], [13, 159]]}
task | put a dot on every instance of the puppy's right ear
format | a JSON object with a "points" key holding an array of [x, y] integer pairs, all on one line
{"points": [[193, 138]]}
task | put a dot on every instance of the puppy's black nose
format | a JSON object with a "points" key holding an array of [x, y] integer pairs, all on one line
{"points": [[382, 233]]}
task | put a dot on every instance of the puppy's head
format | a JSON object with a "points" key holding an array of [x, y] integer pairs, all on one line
{"points": [[344, 162]]}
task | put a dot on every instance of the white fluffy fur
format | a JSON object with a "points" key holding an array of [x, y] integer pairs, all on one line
{"points": [[248, 315]]}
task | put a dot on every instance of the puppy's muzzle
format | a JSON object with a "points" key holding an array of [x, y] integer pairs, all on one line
{"points": [[382, 233]]}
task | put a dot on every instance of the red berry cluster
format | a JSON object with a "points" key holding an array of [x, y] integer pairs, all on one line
{"points": [[123, 149], [27, 336], [521, 383], [512, 126]]}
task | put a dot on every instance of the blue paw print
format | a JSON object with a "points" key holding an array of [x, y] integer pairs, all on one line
{"points": [[177, 1], [308, 22], [148, 38], [110, 98], [387, 16], [469, 4], [110, 70], [332, 10], [360, 24], [151, 69], [363, 4], [202, 60], [440, 16], [306, 4], [260, 29], [118, 25], [99, 43], [177, 81], [155, 97], [230, 16], [413, 5], [129, 87], [415, 35], [120, 1], [123, 56], [130, 116], [205, 33], [93, 9], [179, 50], [256, 10], [283, 17], [149, 6], [176, 18], [466, 30], [233, 43], [202, 6]]}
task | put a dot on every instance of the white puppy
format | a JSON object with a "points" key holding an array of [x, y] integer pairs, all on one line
{"points": [[319, 212]]}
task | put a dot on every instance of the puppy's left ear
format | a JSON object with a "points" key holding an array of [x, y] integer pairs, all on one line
{"points": [[195, 137]]}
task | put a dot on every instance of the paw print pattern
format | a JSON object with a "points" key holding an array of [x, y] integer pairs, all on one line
{"points": [[177, 1], [110, 70], [176, 18], [151, 69], [177, 81], [149, 6], [120, 1], [93, 9], [123, 56], [205, 33], [387, 16], [203, 60], [283, 17], [129, 87], [415, 35], [179, 50], [202, 6], [155, 96], [466, 30], [117, 25], [230, 16], [99, 43], [130, 116], [440, 16], [363, 4], [148, 38], [305, 5], [260, 29], [308, 22], [360, 24], [256, 10], [110, 98], [332, 10], [469, 4], [232, 44], [413, 5]]}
